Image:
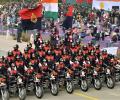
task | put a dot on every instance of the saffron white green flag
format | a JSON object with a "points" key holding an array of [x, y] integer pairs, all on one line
{"points": [[50, 8]]}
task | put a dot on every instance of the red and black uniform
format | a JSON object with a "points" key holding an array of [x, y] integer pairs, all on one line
{"points": [[31, 51], [66, 59], [16, 53], [73, 50], [99, 62], [20, 66], [50, 61], [45, 69], [92, 59], [46, 48], [60, 68], [75, 65], [85, 53], [3, 69], [57, 54], [97, 53], [90, 48], [80, 59], [35, 64], [9, 60], [26, 58], [105, 58], [41, 55], [87, 65]]}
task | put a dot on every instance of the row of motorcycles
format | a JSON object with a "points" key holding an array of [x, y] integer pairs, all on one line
{"points": [[37, 83]]}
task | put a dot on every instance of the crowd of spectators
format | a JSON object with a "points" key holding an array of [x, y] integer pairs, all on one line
{"points": [[86, 21]]}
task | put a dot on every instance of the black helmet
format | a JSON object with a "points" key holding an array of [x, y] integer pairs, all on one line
{"points": [[40, 48], [10, 53], [104, 51], [97, 46], [33, 55], [78, 42], [73, 45], [49, 52], [29, 45], [17, 57], [16, 46], [61, 60], [44, 60], [26, 49], [37, 34], [84, 47], [90, 44]]}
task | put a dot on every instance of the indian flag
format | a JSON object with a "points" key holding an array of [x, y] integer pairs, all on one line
{"points": [[50, 8]]}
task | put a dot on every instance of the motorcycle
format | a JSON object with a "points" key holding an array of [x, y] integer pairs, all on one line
{"points": [[30, 82], [109, 79], [12, 84], [96, 80], [61, 78], [21, 88], [39, 92], [53, 85], [69, 83], [117, 73], [3, 89], [83, 81]]}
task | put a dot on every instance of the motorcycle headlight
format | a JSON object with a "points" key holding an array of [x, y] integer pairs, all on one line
{"points": [[52, 77], [108, 71], [82, 73], [19, 80], [95, 73], [68, 75]]}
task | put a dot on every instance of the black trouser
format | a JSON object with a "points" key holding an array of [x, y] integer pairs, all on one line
{"points": [[19, 34]]}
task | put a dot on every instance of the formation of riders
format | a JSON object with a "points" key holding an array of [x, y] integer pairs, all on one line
{"points": [[63, 56]]}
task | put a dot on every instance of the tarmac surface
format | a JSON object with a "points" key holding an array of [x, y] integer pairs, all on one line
{"points": [[91, 94]]}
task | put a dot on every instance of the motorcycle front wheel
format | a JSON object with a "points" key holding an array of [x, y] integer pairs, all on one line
{"points": [[22, 93], [97, 84], [69, 87], [5, 95], [84, 85], [39, 91], [54, 89]]}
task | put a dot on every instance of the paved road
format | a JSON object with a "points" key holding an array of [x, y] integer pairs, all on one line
{"points": [[91, 94]]}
